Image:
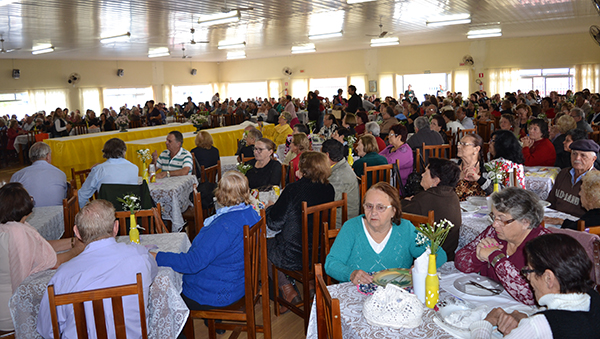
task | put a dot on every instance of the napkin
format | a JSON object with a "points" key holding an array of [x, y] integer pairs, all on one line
{"points": [[419, 273]]}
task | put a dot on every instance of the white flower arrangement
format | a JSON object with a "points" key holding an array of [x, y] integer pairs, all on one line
{"points": [[198, 119], [494, 168], [434, 234], [144, 155], [130, 202], [242, 167], [122, 120]]}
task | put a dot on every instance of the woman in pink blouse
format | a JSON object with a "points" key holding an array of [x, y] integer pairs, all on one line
{"points": [[398, 149], [497, 252]]}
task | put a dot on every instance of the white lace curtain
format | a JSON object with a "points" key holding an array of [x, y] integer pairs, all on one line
{"points": [[48, 99], [503, 80], [587, 76]]}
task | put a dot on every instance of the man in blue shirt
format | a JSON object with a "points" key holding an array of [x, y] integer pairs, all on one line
{"points": [[44, 182], [115, 170]]}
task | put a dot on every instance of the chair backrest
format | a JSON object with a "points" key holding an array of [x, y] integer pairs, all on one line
{"points": [[417, 220], [135, 123], [81, 129], [31, 136], [80, 175], [70, 210], [590, 229], [462, 132], [96, 297], [198, 214], [211, 174], [180, 118], [284, 175], [112, 192], [372, 175], [595, 135], [484, 130], [433, 151], [246, 159], [214, 119], [329, 321], [591, 243], [329, 236], [150, 219]]}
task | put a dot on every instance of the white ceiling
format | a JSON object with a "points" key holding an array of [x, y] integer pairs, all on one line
{"points": [[74, 27]]}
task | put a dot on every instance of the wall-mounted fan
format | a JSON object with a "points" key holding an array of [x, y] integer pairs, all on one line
{"points": [[287, 71], [468, 60], [595, 33], [74, 78], [6, 50]]}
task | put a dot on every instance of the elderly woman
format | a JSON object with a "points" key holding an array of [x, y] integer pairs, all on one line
{"points": [[205, 153], [388, 121], [376, 240], [213, 267], [283, 129], [361, 119], [299, 145], [438, 124], [285, 216], [537, 148], [507, 123], [558, 270], [523, 115], [12, 133], [506, 150], [563, 124], [497, 252], [367, 150], [438, 181], [23, 251], [398, 150], [472, 180], [265, 171]]}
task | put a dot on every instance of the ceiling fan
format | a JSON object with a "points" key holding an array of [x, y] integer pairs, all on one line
{"points": [[382, 33], [184, 56], [193, 41], [226, 9], [6, 50]]}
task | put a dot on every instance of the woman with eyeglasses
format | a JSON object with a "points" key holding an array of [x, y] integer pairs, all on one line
{"points": [[497, 252], [537, 148], [558, 269], [377, 240], [472, 179], [265, 171], [438, 181]]}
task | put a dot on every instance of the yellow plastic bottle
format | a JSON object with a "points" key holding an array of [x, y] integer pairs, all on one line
{"points": [[432, 284], [134, 234]]}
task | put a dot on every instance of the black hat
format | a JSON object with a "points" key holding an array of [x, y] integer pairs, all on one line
{"points": [[585, 145]]}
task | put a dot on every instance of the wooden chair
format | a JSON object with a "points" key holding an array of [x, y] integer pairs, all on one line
{"points": [[431, 151], [116, 295], [211, 174], [31, 136], [70, 210], [595, 135], [256, 287], [372, 175], [180, 118], [329, 320], [417, 220], [330, 232], [81, 129], [214, 120], [284, 175], [197, 217], [195, 166], [453, 142], [246, 159], [320, 214], [151, 221], [135, 123], [228, 119], [591, 229], [462, 132], [81, 175], [484, 129]]}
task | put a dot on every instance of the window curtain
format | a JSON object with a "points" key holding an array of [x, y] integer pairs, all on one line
{"points": [[90, 98], [503, 80], [48, 100], [587, 76]]}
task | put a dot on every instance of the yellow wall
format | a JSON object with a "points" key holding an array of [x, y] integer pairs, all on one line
{"points": [[534, 52]]}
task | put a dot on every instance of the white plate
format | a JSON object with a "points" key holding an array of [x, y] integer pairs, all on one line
{"points": [[544, 203], [477, 201], [461, 285], [468, 207], [457, 314]]}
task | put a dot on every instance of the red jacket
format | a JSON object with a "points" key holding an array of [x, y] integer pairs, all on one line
{"points": [[541, 153]]}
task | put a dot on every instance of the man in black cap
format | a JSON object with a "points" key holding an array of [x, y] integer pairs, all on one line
{"points": [[564, 196]]}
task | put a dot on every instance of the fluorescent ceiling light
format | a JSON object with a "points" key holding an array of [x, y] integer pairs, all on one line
{"points": [[384, 42], [231, 44], [115, 38], [42, 50], [308, 48], [349, 2], [158, 52], [325, 35], [219, 18], [484, 33], [447, 20], [236, 55]]}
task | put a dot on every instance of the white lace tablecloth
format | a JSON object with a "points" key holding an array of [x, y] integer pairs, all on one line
{"points": [[21, 141], [167, 312], [49, 221], [474, 223], [228, 163], [540, 180], [173, 194]]}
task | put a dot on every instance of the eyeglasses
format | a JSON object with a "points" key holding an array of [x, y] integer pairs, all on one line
{"points": [[379, 207], [525, 271], [391, 135], [259, 150], [504, 223], [492, 140], [466, 143]]}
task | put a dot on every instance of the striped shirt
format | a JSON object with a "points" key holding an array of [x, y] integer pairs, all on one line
{"points": [[182, 159]]}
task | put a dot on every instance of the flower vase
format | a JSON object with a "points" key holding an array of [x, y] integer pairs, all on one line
{"points": [[197, 128], [432, 283], [145, 175], [496, 187], [123, 128], [134, 234]]}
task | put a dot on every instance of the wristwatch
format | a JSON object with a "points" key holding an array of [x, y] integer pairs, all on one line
{"points": [[168, 174]]}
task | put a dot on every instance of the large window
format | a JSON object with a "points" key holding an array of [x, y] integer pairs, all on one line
{"points": [[119, 97], [15, 103], [245, 90], [299, 88], [199, 93], [90, 98], [328, 87], [546, 80]]}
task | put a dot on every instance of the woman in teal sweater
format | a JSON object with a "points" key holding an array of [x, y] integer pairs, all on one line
{"points": [[375, 241]]}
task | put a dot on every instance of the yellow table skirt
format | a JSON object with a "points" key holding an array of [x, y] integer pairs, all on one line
{"points": [[83, 151], [224, 139]]}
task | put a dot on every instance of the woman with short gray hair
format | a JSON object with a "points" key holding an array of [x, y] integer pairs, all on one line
{"points": [[497, 252]]}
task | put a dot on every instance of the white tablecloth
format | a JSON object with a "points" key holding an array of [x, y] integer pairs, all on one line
{"points": [[49, 221], [302, 116], [173, 194], [20, 142], [540, 182], [167, 312]]}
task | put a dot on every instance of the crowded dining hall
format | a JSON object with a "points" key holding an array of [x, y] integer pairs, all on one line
{"points": [[306, 169]]}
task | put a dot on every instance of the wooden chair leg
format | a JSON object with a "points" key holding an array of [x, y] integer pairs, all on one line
{"points": [[188, 328], [276, 292], [212, 330]]}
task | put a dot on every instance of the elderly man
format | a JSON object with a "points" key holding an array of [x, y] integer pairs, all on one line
{"points": [[115, 170], [423, 134], [329, 126], [175, 160], [461, 115], [581, 102], [564, 196], [103, 263], [579, 116], [46, 184], [342, 178], [373, 128]]}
